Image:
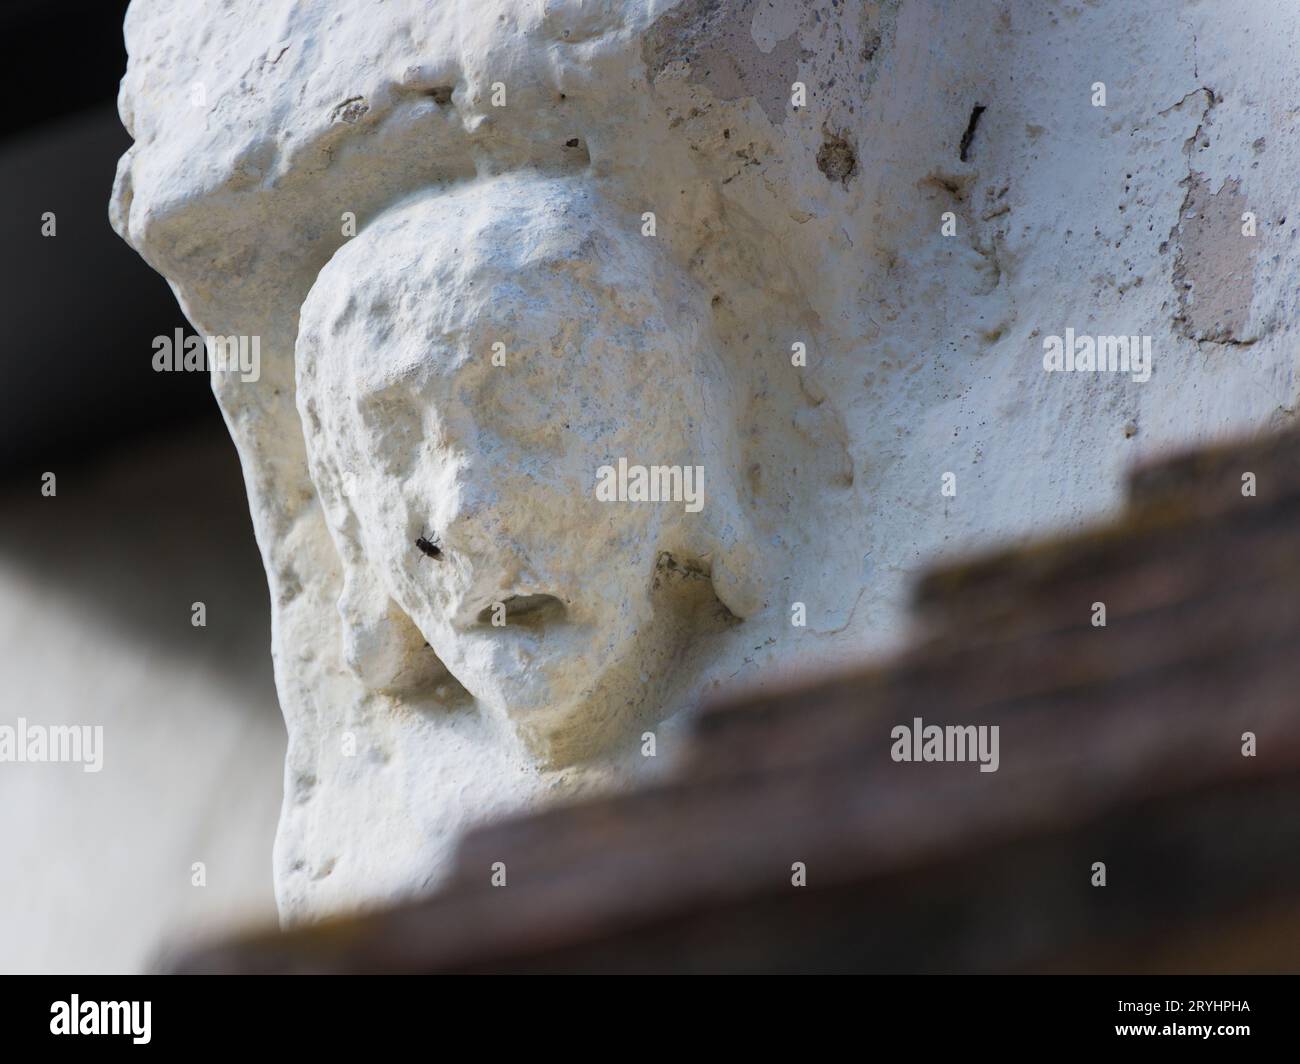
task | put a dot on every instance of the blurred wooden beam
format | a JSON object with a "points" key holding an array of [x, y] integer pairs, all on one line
{"points": [[1120, 744]]}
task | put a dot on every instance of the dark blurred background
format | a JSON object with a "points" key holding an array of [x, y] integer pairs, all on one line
{"points": [[97, 583], [82, 307]]}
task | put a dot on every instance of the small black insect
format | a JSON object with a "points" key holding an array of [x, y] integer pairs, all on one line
{"points": [[431, 547]]}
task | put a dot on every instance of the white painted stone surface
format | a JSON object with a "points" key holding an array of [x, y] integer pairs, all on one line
{"points": [[262, 126]]}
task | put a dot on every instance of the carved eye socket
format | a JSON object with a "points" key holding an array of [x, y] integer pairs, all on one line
{"points": [[395, 431]]}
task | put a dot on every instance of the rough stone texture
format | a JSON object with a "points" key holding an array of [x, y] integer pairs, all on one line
{"points": [[774, 226]]}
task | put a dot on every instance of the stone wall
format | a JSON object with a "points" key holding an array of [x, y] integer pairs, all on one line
{"points": [[867, 222]]}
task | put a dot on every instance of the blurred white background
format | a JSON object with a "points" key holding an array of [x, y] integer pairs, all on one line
{"points": [[96, 587]]}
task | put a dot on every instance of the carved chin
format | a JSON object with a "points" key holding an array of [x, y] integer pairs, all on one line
{"points": [[565, 689]]}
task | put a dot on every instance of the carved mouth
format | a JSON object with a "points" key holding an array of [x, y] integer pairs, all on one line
{"points": [[533, 611]]}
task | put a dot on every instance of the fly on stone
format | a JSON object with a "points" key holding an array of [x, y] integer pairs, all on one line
{"points": [[431, 547]]}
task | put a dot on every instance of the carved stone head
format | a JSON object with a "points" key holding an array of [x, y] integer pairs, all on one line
{"points": [[614, 351], [468, 368], [530, 461]]}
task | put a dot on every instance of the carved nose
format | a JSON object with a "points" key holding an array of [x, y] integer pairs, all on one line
{"points": [[528, 611]]}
